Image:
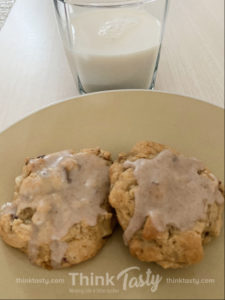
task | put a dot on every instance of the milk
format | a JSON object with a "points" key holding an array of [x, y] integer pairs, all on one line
{"points": [[115, 48]]}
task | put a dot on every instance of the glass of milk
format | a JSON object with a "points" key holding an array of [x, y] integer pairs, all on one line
{"points": [[112, 44]]}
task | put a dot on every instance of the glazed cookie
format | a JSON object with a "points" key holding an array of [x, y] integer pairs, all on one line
{"points": [[60, 215], [168, 205]]}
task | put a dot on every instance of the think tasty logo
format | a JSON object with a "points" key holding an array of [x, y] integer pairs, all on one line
{"points": [[126, 277]]}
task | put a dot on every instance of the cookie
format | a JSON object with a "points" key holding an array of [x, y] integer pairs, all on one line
{"points": [[60, 215], [168, 205]]}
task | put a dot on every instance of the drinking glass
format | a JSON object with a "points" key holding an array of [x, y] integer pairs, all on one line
{"points": [[112, 44]]}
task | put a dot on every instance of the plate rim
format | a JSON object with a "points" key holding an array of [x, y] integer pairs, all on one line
{"points": [[78, 97]]}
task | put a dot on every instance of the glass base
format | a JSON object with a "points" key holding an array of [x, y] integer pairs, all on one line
{"points": [[80, 87], [83, 92]]}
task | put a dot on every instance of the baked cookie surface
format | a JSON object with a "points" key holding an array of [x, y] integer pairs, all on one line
{"points": [[168, 205], [60, 215]]}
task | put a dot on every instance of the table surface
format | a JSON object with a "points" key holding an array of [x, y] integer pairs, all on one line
{"points": [[34, 71]]}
